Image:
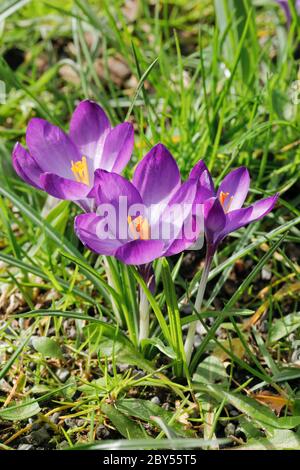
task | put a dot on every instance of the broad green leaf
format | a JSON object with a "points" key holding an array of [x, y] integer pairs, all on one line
{"points": [[159, 345], [47, 347], [126, 426], [170, 434], [284, 326], [249, 406], [211, 371], [21, 411], [281, 440], [144, 409]]}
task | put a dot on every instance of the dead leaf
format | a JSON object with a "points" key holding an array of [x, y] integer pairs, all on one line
{"points": [[286, 290], [69, 74], [275, 402]]}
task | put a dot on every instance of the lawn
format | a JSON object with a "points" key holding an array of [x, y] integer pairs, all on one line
{"points": [[193, 348]]}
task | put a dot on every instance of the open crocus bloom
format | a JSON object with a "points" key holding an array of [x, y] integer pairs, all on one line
{"points": [[63, 165], [223, 211], [151, 220]]}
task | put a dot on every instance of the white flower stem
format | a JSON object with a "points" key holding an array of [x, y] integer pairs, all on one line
{"points": [[144, 316], [189, 342]]}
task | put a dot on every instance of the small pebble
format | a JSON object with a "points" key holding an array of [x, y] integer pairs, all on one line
{"points": [[138, 374], [72, 333], [266, 274], [102, 432], [38, 437], [63, 445], [200, 329], [71, 423], [229, 429], [295, 356], [123, 367], [155, 400], [35, 426], [55, 418], [62, 374], [25, 447], [187, 310], [80, 422], [197, 341]]}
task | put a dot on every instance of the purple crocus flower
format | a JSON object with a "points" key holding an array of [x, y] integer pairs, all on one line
{"points": [[223, 211], [64, 165], [156, 189]]}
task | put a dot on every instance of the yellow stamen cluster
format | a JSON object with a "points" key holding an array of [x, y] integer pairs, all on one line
{"points": [[139, 228], [80, 171]]}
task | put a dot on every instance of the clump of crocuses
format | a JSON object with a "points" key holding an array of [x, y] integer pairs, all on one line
{"points": [[154, 215], [155, 190]]}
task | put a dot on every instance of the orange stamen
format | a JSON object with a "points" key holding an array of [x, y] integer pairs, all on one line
{"points": [[139, 227], [222, 199]]}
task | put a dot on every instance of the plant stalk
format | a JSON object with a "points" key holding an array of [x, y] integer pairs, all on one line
{"points": [[144, 316], [189, 342]]}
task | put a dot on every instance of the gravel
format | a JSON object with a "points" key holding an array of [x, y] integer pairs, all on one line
{"points": [[62, 374]]}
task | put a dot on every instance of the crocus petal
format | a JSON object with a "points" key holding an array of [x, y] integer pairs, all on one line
{"points": [[63, 188], [214, 219], [109, 187], [140, 251], [25, 166], [236, 184], [87, 229], [116, 196], [89, 127], [205, 189], [241, 217], [263, 207], [51, 148], [118, 148], [179, 245], [157, 176], [176, 221]]}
